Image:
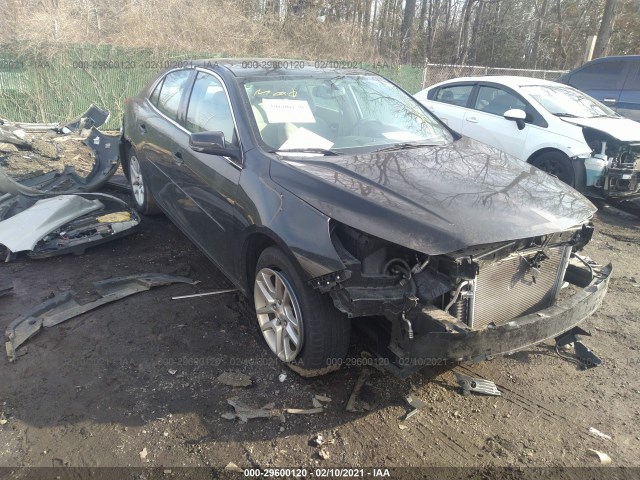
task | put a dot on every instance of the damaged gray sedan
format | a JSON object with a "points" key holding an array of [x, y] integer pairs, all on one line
{"points": [[327, 194]]}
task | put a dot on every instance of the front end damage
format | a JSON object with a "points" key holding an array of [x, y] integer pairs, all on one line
{"points": [[613, 168], [472, 304]]}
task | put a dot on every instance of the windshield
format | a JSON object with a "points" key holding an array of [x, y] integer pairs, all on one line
{"points": [[567, 102], [329, 114]]}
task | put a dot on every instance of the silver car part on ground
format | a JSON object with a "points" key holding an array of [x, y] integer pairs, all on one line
{"points": [[477, 385], [63, 306], [24, 230], [49, 226]]}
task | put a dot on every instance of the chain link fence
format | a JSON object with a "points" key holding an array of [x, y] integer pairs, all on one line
{"points": [[435, 72], [55, 87]]}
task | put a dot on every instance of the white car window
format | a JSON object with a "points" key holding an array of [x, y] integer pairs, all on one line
{"points": [[567, 102], [497, 101], [454, 94]]}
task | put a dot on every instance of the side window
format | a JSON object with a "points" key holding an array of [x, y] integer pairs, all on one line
{"points": [[455, 94], [633, 81], [209, 109], [156, 93], [599, 76], [171, 92], [497, 101]]}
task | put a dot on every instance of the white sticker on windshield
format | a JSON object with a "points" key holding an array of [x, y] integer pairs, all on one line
{"points": [[402, 136], [287, 111], [303, 138]]}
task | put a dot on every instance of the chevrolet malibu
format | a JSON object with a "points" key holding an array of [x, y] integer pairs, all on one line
{"points": [[328, 194]]}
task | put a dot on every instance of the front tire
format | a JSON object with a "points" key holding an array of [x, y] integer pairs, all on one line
{"points": [[300, 325], [558, 165], [142, 198]]}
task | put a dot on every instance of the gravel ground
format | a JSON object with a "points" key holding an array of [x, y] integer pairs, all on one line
{"points": [[134, 383]]}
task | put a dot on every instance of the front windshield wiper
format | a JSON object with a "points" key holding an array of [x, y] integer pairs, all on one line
{"points": [[323, 151], [563, 114], [402, 146]]}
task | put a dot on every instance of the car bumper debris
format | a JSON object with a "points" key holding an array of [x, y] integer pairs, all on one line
{"points": [[23, 145], [63, 306], [48, 226]]}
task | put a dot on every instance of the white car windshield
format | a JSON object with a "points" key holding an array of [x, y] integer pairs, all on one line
{"points": [[567, 102], [338, 114]]}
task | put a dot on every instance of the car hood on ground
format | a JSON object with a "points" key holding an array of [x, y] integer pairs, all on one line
{"points": [[436, 199], [623, 129]]}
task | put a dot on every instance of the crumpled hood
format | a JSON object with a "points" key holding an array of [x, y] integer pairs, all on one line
{"points": [[623, 129], [436, 199]]}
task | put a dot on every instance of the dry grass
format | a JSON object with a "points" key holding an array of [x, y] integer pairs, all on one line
{"points": [[216, 26]]}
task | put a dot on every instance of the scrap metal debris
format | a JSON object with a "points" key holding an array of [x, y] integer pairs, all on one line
{"points": [[352, 404], [597, 433], [304, 411], [244, 412], [47, 226], [63, 306], [603, 457], [584, 357], [477, 385], [234, 379], [28, 148], [417, 405], [232, 467], [216, 292]]}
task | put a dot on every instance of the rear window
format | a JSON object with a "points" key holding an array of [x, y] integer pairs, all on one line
{"points": [[454, 94], [599, 76], [171, 92]]}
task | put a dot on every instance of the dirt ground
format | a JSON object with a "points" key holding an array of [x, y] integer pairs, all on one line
{"points": [[139, 375]]}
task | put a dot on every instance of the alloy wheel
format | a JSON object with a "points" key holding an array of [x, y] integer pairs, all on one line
{"points": [[137, 185], [278, 314]]}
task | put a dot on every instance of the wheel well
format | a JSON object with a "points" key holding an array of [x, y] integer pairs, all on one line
{"points": [[542, 151], [254, 246], [579, 170], [125, 145]]}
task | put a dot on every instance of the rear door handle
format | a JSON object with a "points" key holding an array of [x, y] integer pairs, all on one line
{"points": [[177, 158], [471, 119], [609, 100], [143, 128]]}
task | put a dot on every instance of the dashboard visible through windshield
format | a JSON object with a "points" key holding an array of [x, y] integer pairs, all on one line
{"points": [[338, 115]]}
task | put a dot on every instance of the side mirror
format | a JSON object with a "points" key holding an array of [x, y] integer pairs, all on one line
{"points": [[212, 143], [517, 115]]}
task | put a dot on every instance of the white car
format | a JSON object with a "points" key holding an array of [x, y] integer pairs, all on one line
{"points": [[552, 126]]}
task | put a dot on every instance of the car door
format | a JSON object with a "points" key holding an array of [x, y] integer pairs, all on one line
{"points": [[449, 103], [209, 182], [629, 101], [601, 80], [485, 121], [158, 128]]}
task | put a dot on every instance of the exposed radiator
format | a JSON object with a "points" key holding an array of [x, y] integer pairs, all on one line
{"points": [[506, 290]]}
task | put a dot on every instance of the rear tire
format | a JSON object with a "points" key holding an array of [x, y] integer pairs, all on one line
{"points": [[286, 304], [558, 165], [142, 198]]}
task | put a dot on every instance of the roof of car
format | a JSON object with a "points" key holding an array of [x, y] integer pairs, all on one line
{"points": [[246, 67], [508, 80], [626, 58]]}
